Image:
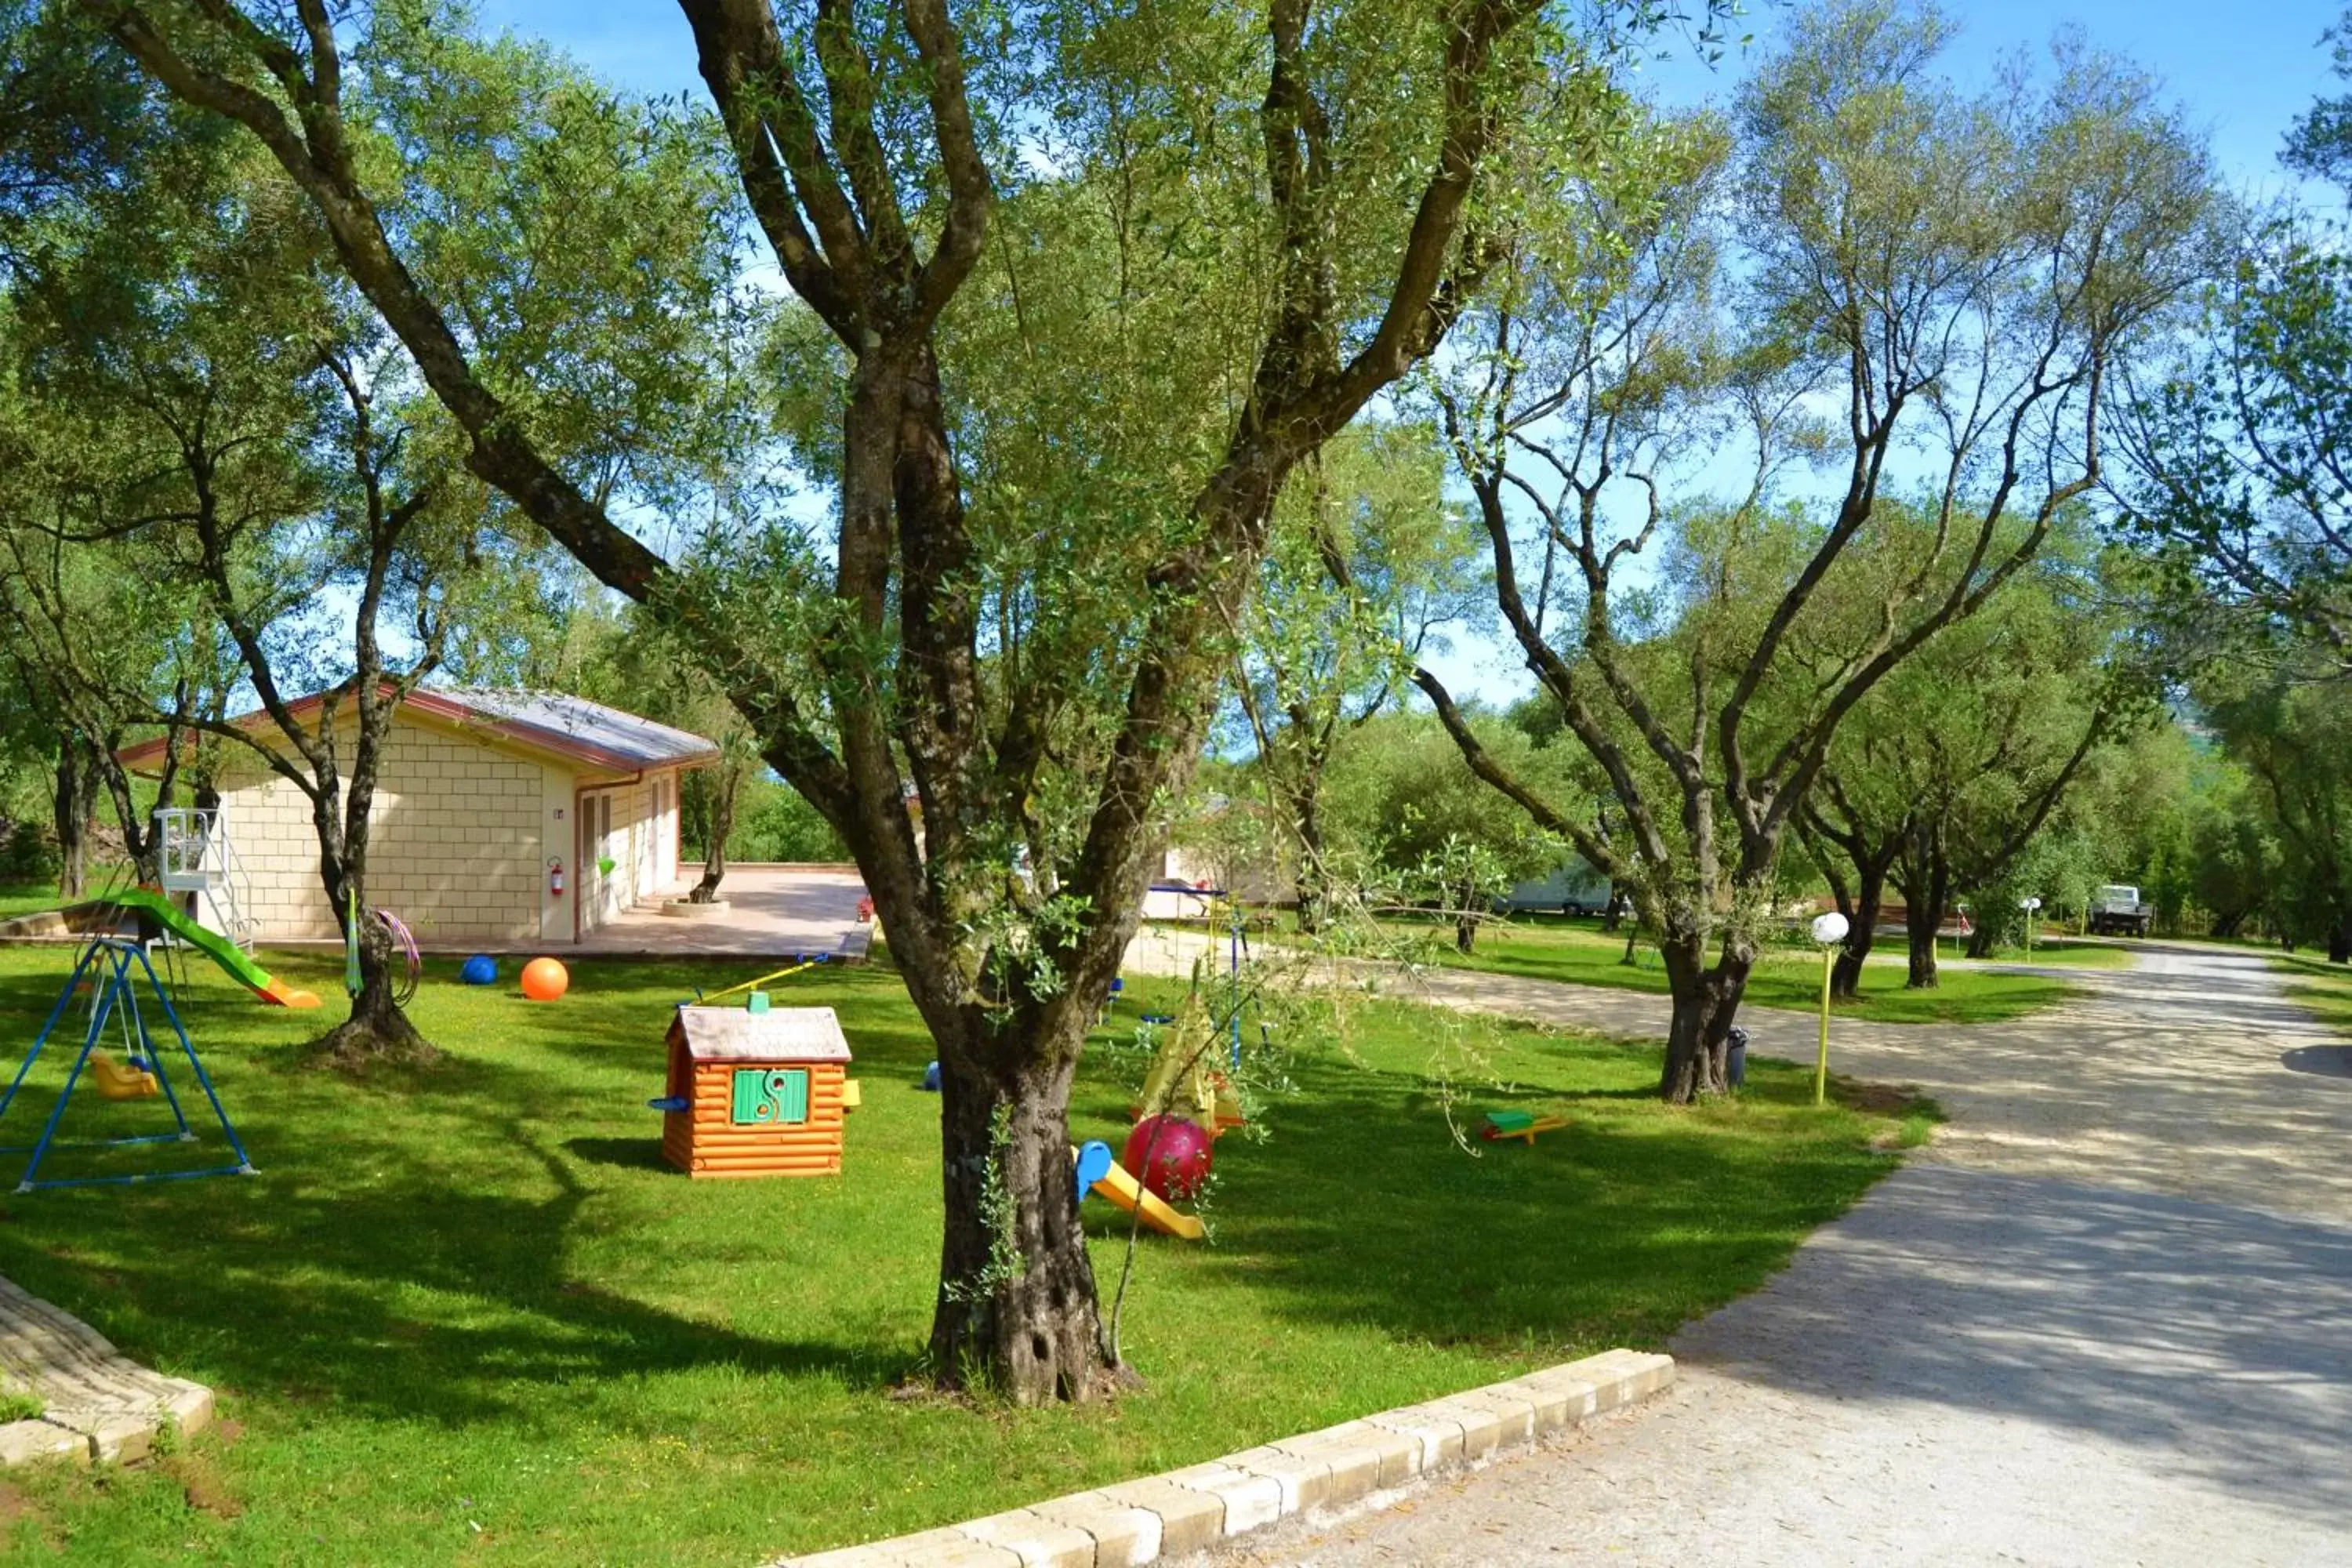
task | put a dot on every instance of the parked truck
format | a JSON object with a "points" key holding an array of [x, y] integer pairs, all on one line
{"points": [[2117, 912]]}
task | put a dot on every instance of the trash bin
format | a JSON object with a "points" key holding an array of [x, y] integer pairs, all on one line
{"points": [[1734, 1066]]}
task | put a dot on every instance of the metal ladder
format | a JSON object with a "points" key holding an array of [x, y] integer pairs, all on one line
{"points": [[196, 855]]}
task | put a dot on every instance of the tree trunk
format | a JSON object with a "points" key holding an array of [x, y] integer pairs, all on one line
{"points": [[76, 801], [1925, 917], [1465, 923], [1016, 1306], [1861, 912], [1698, 1038], [1615, 912], [714, 841], [1982, 939], [1312, 882], [2227, 925], [1923, 976], [377, 1030], [2339, 943]]}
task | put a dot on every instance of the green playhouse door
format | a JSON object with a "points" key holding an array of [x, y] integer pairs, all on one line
{"points": [[770, 1096]]}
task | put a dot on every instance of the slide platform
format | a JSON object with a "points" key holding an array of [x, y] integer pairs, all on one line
{"points": [[233, 960], [1109, 1181]]}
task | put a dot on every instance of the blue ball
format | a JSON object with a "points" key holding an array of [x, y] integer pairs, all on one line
{"points": [[931, 1078], [481, 969]]}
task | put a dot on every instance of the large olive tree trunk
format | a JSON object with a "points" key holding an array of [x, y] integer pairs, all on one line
{"points": [[1706, 1001], [1017, 1300]]}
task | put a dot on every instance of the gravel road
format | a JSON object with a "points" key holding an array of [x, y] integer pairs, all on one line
{"points": [[2107, 1319]]}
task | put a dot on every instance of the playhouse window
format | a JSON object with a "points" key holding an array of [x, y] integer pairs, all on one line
{"points": [[770, 1096]]}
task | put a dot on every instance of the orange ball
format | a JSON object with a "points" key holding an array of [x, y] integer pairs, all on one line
{"points": [[545, 979]]}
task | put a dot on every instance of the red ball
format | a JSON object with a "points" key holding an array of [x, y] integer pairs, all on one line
{"points": [[1178, 1156]]}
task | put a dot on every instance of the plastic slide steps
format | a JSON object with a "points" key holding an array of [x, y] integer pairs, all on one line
{"points": [[1104, 1176], [232, 959]]}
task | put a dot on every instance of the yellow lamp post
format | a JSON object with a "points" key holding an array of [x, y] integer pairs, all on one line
{"points": [[2028, 906], [1828, 930]]}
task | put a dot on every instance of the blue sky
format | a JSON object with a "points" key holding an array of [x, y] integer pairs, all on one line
{"points": [[2243, 72]]}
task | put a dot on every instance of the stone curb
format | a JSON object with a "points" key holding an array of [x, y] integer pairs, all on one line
{"points": [[98, 1404], [1197, 1507]]}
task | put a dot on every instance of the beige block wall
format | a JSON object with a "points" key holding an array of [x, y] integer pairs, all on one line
{"points": [[456, 837]]}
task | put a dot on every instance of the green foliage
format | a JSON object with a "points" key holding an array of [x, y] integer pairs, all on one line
{"points": [[1404, 803], [2236, 474], [771, 822], [2292, 739]]}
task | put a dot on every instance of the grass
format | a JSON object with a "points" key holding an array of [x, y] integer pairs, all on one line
{"points": [[30, 898], [2070, 951], [1551, 947], [2325, 988], [465, 1315]]}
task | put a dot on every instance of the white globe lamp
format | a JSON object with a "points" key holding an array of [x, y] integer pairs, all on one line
{"points": [[1829, 930]]}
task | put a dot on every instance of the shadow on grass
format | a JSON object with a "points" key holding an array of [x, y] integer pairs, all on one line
{"points": [[298, 1291], [1614, 1229], [627, 1153]]}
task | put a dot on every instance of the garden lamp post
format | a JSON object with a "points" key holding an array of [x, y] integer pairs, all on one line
{"points": [[2028, 906], [1829, 930]]}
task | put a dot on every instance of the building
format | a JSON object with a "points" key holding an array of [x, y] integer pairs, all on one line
{"points": [[500, 817]]}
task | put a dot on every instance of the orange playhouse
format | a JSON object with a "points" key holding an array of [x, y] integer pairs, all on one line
{"points": [[756, 1092]]}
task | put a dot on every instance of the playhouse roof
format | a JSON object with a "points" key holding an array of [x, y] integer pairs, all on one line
{"points": [[780, 1034]]}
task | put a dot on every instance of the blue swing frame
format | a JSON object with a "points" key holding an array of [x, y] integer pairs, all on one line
{"points": [[108, 960]]}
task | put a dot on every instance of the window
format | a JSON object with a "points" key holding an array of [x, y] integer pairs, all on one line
{"points": [[770, 1096]]}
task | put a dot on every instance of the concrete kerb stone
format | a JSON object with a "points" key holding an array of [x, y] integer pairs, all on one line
{"points": [[1250, 1500], [1190, 1509], [1190, 1521], [1124, 1536], [1038, 1541]]}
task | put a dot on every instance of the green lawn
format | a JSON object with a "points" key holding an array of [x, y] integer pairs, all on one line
{"points": [[1549, 947], [468, 1316], [2325, 988], [29, 898], [2069, 952]]}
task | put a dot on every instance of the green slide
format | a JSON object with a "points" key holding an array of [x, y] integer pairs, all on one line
{"points": [[214, 946]]}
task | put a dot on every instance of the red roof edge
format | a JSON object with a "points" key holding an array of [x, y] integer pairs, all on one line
{"points": [[536, 737]]}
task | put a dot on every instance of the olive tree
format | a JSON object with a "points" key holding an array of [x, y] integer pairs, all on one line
{"points": [[1933, 291]]}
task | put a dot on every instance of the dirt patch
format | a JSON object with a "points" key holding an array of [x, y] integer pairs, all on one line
{"points": [[1877, 1099], [200, 1482]]}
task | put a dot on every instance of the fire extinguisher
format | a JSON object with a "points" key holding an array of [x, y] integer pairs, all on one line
{"points": [[555, 876]]}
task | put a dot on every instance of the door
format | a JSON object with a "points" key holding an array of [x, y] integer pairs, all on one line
{"points": [[596, 837]]}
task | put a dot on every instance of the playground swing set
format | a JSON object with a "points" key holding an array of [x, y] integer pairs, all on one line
{"points": [[110, 968]]}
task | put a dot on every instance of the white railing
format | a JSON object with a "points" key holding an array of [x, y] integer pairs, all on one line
{"points": [[195, 855]]}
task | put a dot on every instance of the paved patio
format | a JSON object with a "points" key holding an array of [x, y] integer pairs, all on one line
{"points": [[772, 912]]}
